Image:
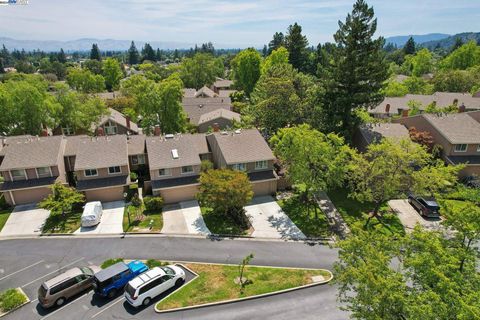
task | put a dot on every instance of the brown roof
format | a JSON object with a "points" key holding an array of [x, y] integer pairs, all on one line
{"points": [[189, 92], [457, 128], [242, 146], [196, 107], [205, 92], [219, 113], [376, 131], [136, 144], [116, 117], [222, 83], [188, 146], [101, 152], [225, 93], [31, 152]]}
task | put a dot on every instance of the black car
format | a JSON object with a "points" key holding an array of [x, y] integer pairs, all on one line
{"points": [[426, 206], [471, 182]]}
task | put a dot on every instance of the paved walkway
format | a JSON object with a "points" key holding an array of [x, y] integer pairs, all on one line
{"points": [[112, 219], [339, 226], [410, 217], [269, 220], [25, 220], [184, 218]]}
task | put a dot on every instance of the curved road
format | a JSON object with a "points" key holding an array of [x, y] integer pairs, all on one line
{"points": [[38, 259]]}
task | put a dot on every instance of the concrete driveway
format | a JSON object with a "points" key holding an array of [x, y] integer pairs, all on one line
{"points": [[25, 220], [184, 218], [269, 220], [410, 217], [112, 220]]}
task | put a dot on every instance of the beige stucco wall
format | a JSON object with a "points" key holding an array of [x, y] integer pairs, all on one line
{"points": [[27, 195], [174, 173], [102, 173], [174, 195], [262, 188], [105, 195]]}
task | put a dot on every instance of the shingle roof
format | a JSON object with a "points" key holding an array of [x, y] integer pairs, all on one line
{"points": [[174, 182], [189, 92], [225, 93], [188, 146], [377, 131], [102, 182], [116, 117], [196, 107], [219, 113], [136, 144], [205, 92], [25, 184], [31, 152], [246, 146], [222, 83], [101, 152], [457, 128]]}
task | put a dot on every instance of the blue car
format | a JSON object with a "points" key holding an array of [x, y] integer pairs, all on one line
{"points": [[112, 280]]}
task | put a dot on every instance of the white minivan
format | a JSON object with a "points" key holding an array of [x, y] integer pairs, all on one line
{"points": [[92, 214], [142, 289]]}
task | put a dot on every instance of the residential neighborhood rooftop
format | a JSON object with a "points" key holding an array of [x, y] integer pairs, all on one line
{"points": [[101, 152], [373, 132], [219, 113], [457, 128]]}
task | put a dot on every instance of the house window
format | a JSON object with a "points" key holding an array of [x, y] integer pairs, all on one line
{"points": [[44, 172], [18, 174], [187, 169], [91, 173], [138, 159], [478, 148], [67, 131], [261, 165], [461, 147], [164, 172], [114, 170], [110, 128], [239, 166]]}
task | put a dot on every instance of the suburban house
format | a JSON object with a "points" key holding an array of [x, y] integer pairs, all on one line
{"points": [[245, 150], [374, 132], [29, 166], [98, 166], [458, 134], [174, 163], [395, 106], [137, 153], [221, 84]]}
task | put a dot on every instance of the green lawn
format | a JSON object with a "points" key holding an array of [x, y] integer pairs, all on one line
{"points": [[55, 223], [311, 226], [216, 283], [356, 213], [140, 221], [4, 214], [219, 224]]}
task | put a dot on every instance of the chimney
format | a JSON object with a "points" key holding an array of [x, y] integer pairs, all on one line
{"points": [[157, 132], [387, 108], [100, 132], [127, 119], [405, 113], [44, 133], [216, 127], [461, 108]]}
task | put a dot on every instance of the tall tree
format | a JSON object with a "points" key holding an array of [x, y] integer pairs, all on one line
{"points": [[200, 70], [265, 51], [358, 71], [62, 58], [133, 55], [458, 43], [2, 66], [296, 44], [62, 199], [85, 81], [277, 42], [246, 69], [95, 53], [148, 53], [5, 54], [463, 58], [112, 74], [410, 46]]}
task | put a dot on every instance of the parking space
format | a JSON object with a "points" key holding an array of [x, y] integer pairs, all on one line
{"points": [[410, 217], [269, 220], [184, 218], [112, 220], [25, 220]]}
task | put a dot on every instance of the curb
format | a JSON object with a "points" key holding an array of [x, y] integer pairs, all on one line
{"points": [[26, 302], [258, 296]]}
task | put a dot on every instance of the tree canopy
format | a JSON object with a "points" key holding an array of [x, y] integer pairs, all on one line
{"points": [[201, 70], [246, 69]]}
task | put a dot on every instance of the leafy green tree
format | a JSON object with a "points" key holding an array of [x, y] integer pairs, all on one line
{"points": [[277, 42], [24, 67], [133, 55], [61, 200], [410, 46], [95, 53], [200, 70], [296, 44], [454, 81], [422, 63], [6, 56], [246, 69], [112, 74], [148, 53], [85, 81], [417, 85], [94, 66], [62, 58], [277, 57], [395, 89], [463, 58]]}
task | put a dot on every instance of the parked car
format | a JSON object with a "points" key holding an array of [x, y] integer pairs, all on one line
{"points": [[471, 182], [113, 279], [426, 206], [92, 214], [56, 291], [141, 290]]}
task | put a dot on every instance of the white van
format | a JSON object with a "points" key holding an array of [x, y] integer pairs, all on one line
{"points": [[142, 289], [92, 214]]}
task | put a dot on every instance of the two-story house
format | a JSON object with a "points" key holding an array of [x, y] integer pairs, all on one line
{"points": [[29, 166], [245, 150], [175, 162]]}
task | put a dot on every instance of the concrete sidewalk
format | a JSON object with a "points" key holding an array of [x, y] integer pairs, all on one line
{"points": [[335, 219], [184, 218], [25, 220], [112, 219]]}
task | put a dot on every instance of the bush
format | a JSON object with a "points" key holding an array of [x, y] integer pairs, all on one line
{"points": [[11, 299], [110, 262], [3, 203], [206, 165], [136, 201], [133, 176], [153, 203], [152, 263]]}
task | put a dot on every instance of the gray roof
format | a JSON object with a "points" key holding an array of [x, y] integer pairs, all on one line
{"points": [[188, 146], [217, 114], [374, 132], [246, 146], [457, 128], [189, 92], [205, 92], [116, 117], [222, 83], [196, 107], [103, 182], [101, 152], [225, 93], [136, 144], [31, 152], [174, 182]]}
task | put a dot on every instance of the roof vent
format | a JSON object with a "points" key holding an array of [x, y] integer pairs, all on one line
{"points": [[224, 133], [169, 136], [175, 154]]}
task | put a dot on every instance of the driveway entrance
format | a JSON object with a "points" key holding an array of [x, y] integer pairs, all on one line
{"points": [[25, 219]]}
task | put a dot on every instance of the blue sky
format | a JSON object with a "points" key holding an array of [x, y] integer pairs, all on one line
{"points": [[225, 23]]}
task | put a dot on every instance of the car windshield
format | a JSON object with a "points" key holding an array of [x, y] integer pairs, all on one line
{"points": [[87, 271], [130, 290], [42, 292], [168, 271]]}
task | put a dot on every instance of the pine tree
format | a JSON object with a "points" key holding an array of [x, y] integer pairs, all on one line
{"points": [[357, 73], [458, 43], [61, 57], [148, 53], [2, 67], [5, 55], [277, 42], [265, 51], [95, 53], [133, 55], [159, 55], [296, 44], [410, 46]]}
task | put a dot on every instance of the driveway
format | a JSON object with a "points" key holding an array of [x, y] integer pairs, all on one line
{"points": [[184, 218], [269, 220], [410, 217], [112, 220], [25, 220]]}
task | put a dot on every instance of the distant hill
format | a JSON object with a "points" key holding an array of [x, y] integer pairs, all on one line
{"points": [[450, 41], [400, 41]]}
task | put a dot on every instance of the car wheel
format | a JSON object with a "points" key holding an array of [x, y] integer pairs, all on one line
{"points": [[112, 293], [179, 282], [60, 302], [146, 302]]}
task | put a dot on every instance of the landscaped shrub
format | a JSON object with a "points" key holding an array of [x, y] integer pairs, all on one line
{"points": [[153, 203], [136, 201], [152, 263], [110, 262], [11, 299], [133, 176]]}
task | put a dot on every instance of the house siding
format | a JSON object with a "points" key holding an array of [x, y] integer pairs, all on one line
{"points": [[102, 173]]}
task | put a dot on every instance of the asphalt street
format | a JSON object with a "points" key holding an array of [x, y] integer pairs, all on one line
{"points": [[26, 263]]}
